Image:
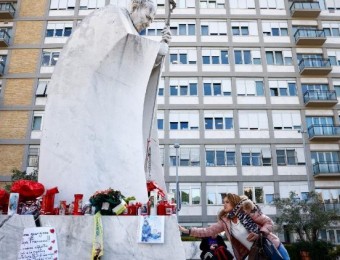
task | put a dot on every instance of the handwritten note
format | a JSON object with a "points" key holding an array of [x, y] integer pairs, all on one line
{"points": [[39, 243]]}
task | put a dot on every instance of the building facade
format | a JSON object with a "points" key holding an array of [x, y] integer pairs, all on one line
{"points": [[249, 91]]}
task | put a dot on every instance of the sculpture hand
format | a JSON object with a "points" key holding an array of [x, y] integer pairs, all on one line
{"points": [[166, 35]]}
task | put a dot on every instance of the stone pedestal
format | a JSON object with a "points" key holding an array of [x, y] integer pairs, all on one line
{"points": [[75, 235]]}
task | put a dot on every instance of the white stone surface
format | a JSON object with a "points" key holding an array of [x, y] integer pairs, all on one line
{"points": [[11, 230], [99, 110], [75, 236]]}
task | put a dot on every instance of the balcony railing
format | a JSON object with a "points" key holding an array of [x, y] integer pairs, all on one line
{"points": [[7, 11], [305, 9], [324, 132], [315, 66], [332, 207], [4, 39], [310, 37], [326, 169], [320, 98]]}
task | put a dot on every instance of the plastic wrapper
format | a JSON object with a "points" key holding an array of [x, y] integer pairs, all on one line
{"points": [[31, 207], [28, 190]]}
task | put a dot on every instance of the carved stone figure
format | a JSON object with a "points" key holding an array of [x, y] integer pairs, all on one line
{"points": [[101, 102]]}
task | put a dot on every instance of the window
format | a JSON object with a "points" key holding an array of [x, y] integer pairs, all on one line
{"points": [[242, 4], [279, 58], [62, 4], [183, 87], [286, 120], [42, 88], [212, 4], [253, 120], [240, 30], [33, 156], [215, 57], [184, 29], [331, 29], [183, 120], [329, 195], [183, 56], [218, 122], [259, 193], [325, 161], [216, 193], [332, 5], [37, 120], [286, 156], [190, 193], [334, 57], [255, 156], [213, 28], [183, 3], [91, 4], [247, 56], [300, 188], [249, 87], [275, 28], [314, 87], [220, 156], [59, 29], [187, 156], [272, 4], [282, 88], [50, 57], [216, 87]]}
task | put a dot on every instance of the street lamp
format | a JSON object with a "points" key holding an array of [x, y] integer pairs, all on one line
{"points": [[176, 146], [303, 132]]}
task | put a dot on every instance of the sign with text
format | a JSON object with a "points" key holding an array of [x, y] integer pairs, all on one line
{"points": [[39, 243]]}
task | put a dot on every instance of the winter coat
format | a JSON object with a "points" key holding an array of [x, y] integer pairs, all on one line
{"points": [[265, 224]]}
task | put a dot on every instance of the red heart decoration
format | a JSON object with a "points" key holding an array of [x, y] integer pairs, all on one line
{"points": [[52, 230], [53, 241], [55, 251], [50, 248]]}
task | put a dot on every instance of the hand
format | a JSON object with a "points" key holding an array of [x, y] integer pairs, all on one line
{"points": [[183, 229], [252, 237], [166, 35]]}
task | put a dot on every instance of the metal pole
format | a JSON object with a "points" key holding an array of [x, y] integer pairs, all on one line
{"points": [[303, 132], [176, 146]]}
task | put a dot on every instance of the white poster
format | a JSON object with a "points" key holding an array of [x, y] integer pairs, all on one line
{"points": [[151, 229], [39, 243]]}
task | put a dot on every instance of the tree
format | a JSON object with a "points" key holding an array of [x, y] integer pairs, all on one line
{"points": [[305, 217], [19, 175]]}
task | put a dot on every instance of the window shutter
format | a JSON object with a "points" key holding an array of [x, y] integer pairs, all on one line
{"points": [[195, 154], [263, 121], [194, 120], [222, 27], [41, 88], [277, 121], [192, 56], [226, 85], [191, 3], [266, 153], [300, 154], [54, 4]]}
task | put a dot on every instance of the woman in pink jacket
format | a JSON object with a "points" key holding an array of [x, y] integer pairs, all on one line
{"points": [[242, 221]]}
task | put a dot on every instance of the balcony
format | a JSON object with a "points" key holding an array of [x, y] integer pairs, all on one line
{"points": [[326, 169], [320, 98], [315, 66], [324, 132], [310, 37], [332, 207], [304, 9], [7, 11], [4, 39]]}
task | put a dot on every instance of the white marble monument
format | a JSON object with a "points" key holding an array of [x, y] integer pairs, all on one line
{"points": [[99, 110]]}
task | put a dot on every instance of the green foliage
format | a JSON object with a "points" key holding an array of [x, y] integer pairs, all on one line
{"points": [[335, 252], [305, 217], [19, 175]]}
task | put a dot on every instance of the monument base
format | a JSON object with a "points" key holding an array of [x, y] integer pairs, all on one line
{"points": [[75, 236]]}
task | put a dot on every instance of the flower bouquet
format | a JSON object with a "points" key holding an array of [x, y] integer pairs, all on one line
{"points": [[105, 200]]}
